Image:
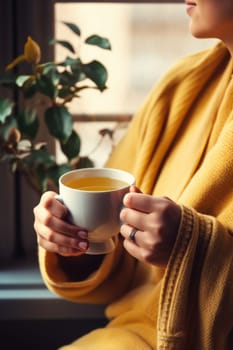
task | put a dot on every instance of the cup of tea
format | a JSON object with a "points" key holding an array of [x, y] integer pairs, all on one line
{"points": [[94, 197]]}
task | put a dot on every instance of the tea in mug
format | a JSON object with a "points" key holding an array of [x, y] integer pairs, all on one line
{"points": [[96, 184]]}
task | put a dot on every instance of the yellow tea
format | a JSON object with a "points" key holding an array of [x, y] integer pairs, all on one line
{"points": [[96, 184]]}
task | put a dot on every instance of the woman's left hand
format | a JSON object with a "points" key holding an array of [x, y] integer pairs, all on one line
{"points": [[156, 222]]}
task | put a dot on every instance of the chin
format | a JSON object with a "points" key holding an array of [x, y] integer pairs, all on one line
{"points": [[200, 33]]}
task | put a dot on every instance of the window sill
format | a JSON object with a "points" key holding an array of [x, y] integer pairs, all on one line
{"points": [[24, 296]]}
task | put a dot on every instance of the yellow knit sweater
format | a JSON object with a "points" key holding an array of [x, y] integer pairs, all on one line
{"points": [[180, 145]]}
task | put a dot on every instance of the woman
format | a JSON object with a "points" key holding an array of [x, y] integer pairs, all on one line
{"points": [[169, 285]]}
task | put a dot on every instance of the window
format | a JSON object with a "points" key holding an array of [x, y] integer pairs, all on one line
{"points": [[146, 40]]}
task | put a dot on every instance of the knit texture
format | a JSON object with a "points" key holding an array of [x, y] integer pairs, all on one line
{"points": [[180, 145]]}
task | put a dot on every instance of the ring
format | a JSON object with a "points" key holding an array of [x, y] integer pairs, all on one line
{"points": [[132, 234]]}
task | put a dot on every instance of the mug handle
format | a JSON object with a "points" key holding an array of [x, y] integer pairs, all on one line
{"points": [[68, 217], [59, 198]]}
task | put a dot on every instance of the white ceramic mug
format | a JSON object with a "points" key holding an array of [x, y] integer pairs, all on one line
{"points": [[94, 210]]}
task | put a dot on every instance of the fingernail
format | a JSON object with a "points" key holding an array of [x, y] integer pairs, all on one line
{"points": [[83, 245], [82, 234]]}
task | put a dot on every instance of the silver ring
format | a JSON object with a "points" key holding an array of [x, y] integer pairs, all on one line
{"points": [[132, 234]]}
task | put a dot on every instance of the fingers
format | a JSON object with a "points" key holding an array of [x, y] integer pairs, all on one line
{"points": [[138, 247], [156, 221], [127, 230], [44, 218], [63, 247], [71, 241], [49, 202], [142, 239], [136, 209], [139, 201], [134, 218], [55, 234], [61, 238]]}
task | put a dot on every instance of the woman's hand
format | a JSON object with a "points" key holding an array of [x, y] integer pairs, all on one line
{"points": [[54, 233], [156, 220]]}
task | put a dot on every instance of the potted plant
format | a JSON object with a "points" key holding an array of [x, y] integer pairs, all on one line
{"points": [[42, 96]]}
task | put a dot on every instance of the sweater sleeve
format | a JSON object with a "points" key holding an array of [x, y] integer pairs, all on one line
{"points": [[110, 281], [196, 300]]}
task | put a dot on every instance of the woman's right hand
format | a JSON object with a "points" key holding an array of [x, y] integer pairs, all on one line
{"points": [[54, 233]]}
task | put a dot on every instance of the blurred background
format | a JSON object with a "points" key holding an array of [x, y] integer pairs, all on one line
{"points": [[146, 40]]}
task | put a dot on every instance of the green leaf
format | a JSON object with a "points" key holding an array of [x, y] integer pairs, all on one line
{"points": [[96, 72], [64, 44], [30, 87], [41, 178], [67, 79], [78, 75], [6, 107], [53, 75], [75, 66], [72, 26], [38, 164], [5, 128], [72, 62], [56, 171], [40, 157], [66, 93], [45, 68], [28, 123], [59, 122], [46, 86], [71, 147], [22, 79], [99, 41], [84, 162]]}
